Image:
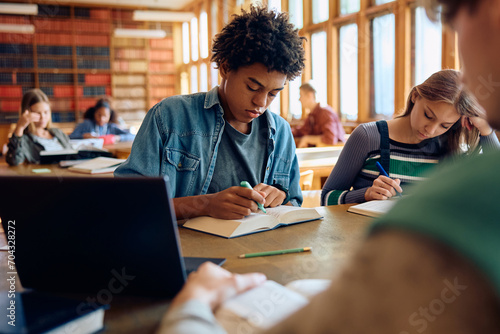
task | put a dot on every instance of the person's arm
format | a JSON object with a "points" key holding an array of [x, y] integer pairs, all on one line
{"points": [[123, 135], [232, 203], [81, 130], [192, 309], [16, 154], [336, 189], [17, 143], [400, 282]]}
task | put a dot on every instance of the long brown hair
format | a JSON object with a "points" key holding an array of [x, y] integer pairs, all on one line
{"points": [[32, 97], [446, 86]]}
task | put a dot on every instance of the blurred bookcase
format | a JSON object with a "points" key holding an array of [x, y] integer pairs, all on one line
{"points": [[74, 58]]}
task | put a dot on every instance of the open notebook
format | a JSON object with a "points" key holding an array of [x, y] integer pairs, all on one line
{"points": [[256, 222], [373, 208]]}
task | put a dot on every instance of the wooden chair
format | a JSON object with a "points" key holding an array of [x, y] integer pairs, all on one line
{"points": [[306, 179]]}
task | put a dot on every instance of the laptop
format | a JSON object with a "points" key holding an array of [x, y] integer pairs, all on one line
{"points": [[96, 235]]}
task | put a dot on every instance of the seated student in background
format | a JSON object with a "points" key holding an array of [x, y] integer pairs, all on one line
{"points": [[322, 126], [101, 120], [430, 265], [34, 132], [207, 143], [439, 117]]}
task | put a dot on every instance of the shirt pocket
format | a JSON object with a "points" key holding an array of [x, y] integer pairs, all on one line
{"points": [[282, 174], [182, 161]]}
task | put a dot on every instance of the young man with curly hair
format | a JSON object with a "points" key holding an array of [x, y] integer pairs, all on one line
{"points": [[207, 143], [431, 265]]}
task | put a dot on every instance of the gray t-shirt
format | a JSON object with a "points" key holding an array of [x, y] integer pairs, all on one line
{"points": [[240, 157]]}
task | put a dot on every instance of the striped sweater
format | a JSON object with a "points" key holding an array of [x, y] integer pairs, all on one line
{"points": [[355, 170]]}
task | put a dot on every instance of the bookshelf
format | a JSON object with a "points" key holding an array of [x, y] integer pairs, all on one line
{"points": [[75, 59]]}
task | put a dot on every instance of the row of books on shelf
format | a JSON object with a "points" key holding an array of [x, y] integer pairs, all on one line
{"points": [[16, 49], [53, 50], [130, 65], [56, 91], [56, 105], [127, 104], [166, 79], [98, 64], [17, 38], [123, 79], [67, 39], [136, 91], [51, 78], [16, 62], [130, 53], [164, 43]]}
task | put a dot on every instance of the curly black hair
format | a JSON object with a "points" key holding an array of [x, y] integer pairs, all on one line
{"points": [[260, 36], [90, 113]]}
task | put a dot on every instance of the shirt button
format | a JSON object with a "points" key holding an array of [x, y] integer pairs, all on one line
{"points": [[267, 168], [179, 165]]}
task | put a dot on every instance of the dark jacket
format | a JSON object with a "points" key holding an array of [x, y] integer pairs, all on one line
{"points": [[26, 149]]}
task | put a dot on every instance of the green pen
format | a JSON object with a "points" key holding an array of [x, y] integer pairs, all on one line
{"points": [[278, 252], [247, 185]]}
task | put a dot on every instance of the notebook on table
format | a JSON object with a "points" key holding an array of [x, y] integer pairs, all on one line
{"points": [[76, 234]]}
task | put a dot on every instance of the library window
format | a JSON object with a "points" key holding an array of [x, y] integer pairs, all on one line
{"points": [[383, 59], [184, 83], [295, 10], [349, 6], [275, 4], [203, 35], [194, 39], [381, 2], [203, 78], [185, 42], [319, 68], [194, 79], [295, 108], [427, 46], [275, 106], [320, 10], [214, 18], [348, 61]]}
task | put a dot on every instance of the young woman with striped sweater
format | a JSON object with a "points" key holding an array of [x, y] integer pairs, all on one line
{"points": [[440, 119]]}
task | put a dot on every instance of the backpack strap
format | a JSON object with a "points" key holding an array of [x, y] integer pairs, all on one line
{"points": [[385, 152]]}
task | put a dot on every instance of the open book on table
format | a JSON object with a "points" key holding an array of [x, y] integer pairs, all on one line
{"points": [[256, 222], [373, 208], [266, 305]]}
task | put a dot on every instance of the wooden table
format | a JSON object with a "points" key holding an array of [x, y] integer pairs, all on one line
{"points": [[120, 150], [332, 240], [27, 170]]}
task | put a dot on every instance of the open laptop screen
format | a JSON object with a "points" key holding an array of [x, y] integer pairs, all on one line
{"points": [[95, 234]]}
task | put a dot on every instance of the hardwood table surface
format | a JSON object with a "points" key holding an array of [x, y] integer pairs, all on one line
{"points": [[332, 240]]}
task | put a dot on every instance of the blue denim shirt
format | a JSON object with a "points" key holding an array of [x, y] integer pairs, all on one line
{"points": [[179, 137]]}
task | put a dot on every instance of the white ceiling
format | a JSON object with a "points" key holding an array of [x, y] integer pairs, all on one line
{"points": [[158, 4]]}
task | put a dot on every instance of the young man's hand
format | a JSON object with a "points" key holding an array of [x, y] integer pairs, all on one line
{"points": [[273, 195], [212, 285], [235, 202]]}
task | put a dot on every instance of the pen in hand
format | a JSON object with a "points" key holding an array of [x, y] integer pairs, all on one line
{"points": [[247, 185], [383, 172]]}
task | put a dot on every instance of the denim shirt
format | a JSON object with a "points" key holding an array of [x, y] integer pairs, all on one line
{"points": [[180, 136]]}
